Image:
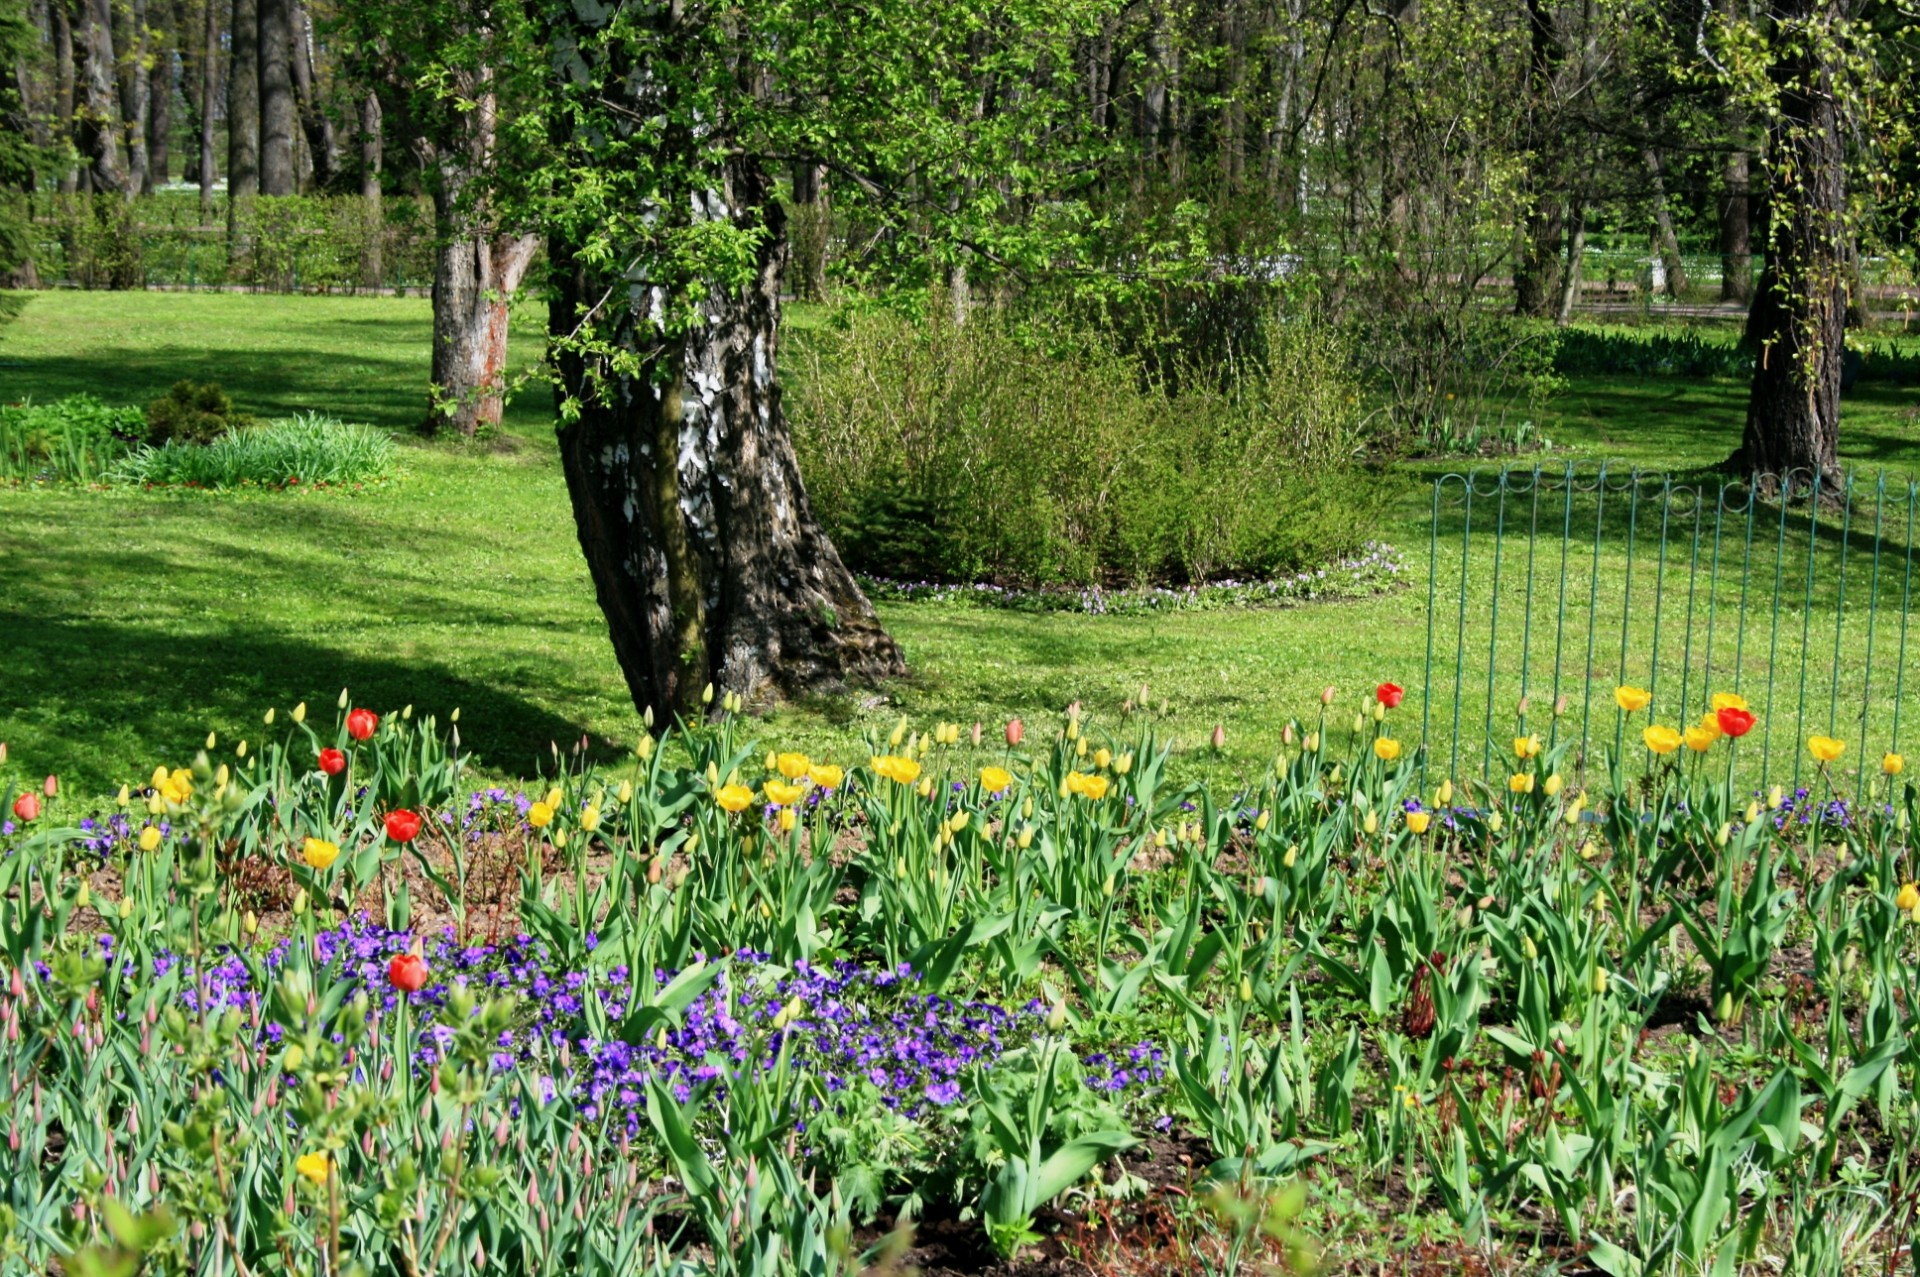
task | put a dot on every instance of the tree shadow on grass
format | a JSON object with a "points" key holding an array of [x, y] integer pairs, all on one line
{"points": [[80, 693]]}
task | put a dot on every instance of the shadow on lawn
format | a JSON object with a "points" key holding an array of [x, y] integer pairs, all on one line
{"points": [[86, 682]]}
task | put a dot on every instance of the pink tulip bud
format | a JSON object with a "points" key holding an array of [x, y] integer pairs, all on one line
{"points": [[1014, 731], [1523, 707], [1326, 697], [1286, 735], [976, 733], [52, 786], [3, 752], [1219, 735]]}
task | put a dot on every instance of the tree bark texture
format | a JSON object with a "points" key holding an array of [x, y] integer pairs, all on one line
{"points": [[243, 105], [1736, 232], [163, 39], [314, 121], [64, 84], [1799, 313], [209, 83], [474, 278], [1667, 242], [97, 115], [372, 257], [704, 550], [136, 89], [276, 97]]}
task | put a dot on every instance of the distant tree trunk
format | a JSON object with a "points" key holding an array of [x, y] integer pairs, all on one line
{"points": [[97, 117], [135, 90], [165, 39], [474, 279], [209, 93], [314, 122], [1536, 272], [243, 111], [276, 97], [704, 550], [372, 264], [63, 89], [1736, 232], [1799, 313], [813, 225], [1669, 244], [1570, 277]]}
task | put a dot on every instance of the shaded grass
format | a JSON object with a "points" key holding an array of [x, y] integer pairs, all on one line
{"points": [[135, 622]]}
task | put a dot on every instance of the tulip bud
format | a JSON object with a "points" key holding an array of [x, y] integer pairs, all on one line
{"points": [[1293, 854], [1723, 834], [1599, 980], [1026, 808], [1025, 840], [126, 909], [1073, 729], [1261, 820], [1553, 785], [626, 792], [299, 902], [1753, 811], [1219, 739], [1723, 1009], [706, 694], [1312, 743], [299, 713], [899, 732], [1014, 731], [1080, 748], [1326, 697], [1246, 989], [84, 896], [1443, 795], [211, 738], [249, 923], [1057, 1018], [1123, 764], [1359, 723], [1775, 797], [1496, 822], [1372, 823], [1106, 888], [240, 750], [122, 798], [1379, 712], [1528, 947]]}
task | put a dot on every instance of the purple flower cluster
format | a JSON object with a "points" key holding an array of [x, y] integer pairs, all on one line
{"points": [[864, 1033]]}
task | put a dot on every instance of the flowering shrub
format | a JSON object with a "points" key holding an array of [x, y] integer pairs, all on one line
{"points": [[715, 1009]]}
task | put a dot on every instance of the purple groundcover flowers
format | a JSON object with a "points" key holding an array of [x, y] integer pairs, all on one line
{"points": [[857, 1026]]}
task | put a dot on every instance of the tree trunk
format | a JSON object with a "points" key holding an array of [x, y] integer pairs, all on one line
{"points": [[474, 279], [1570, 276], [1736, 232], [63, 89], [704, 549], [164, 40], [209, 82], [1669, 244], [243, 109], [314, 122], [136, 90], [372, 254], [97, 117], [1798, 320], [276, 97], [1536, 272]]}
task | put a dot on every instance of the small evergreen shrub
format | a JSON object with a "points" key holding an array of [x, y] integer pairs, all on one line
{"points": [[193, 413]]}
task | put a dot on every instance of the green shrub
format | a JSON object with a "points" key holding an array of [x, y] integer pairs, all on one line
{"points": [[72, 440], [1039, 453], [308, 449], [193, 413]]}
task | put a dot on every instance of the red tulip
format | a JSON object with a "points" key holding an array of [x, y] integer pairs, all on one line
{"points": [[332, 762], [1735, 722], [407, 972], [361, 722], [1390, 694], [1014, 731], [27, 806], [403, 825]]}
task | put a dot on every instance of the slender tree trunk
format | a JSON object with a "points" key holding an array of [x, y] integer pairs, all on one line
{"points": [[1799, 311], [812, 229], [1736, 233], [372, 257], [276, 97], [314, 122], [1536, 272], [97, 116], [135, 90], [165, 39], [1669, 244], [704, 549], [209, 93], [1570, 276], [63, 88], [243, 110]]}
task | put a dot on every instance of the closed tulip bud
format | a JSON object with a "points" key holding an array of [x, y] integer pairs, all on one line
{"points": [[1326, 697], [1775, 797], [1025, 840], [706, 694], [1599, 980], [84, 896], [560, 839], [240, 750], [644, 749], [1293, 854], [1553, 785], [1724, 833], [1261, 821], [1106, 888], [1753, 812], [1123, 764], [211, 738], [149, 838], [249, 923], [1080, 748], [300, 713], [1014, 732], [898, 734], [1219, 738], [343, 698], [299, 902], [1443, 795], [1849, 960], [1723, 1009], [122, 798], [1359, 723], [1073, 729], [925, 787], [1528, 947], [1312, 743], [1246, 989], [1379, 712], [126, 909], [1026, 808], [1057, 1017], [1496, 822], [1372, 823]]}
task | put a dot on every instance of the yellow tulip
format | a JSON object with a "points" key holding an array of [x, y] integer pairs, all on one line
{"points": [[1525, 747], [319, 853], [899, 770], [540, 815], [1893, 764], [1417, 822], [1727, 700], [783, 795], [1386, 749], [1661, 739], [590, 819], [1102, 758], [1443, 795], [1632, 699], [149, 838], [1553, 785], [787, 820], [733, 798], [1909, 897], [995, 780], [1521, 782], [1093, 787], [1371, 824], [314, 1167], [1699, 739], [1710, 724], [1825, 748], [792, 766], [826, 775]]}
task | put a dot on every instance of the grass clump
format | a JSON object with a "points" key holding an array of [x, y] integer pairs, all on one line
{"points": [[307, 449], [71, 440]]}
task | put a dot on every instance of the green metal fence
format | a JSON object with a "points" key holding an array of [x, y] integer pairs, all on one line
{"points": [[1550, 586]]}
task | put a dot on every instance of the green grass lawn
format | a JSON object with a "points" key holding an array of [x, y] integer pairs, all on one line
{"points": [[135, 622]]}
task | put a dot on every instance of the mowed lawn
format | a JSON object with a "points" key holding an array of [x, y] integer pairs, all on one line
{"points": [[132, 623]]}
